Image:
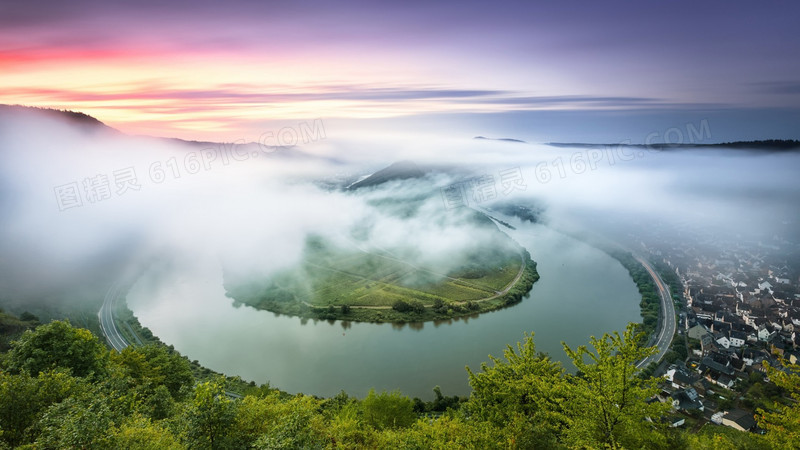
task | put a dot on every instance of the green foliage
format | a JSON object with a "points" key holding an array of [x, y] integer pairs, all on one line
{"points": [[11, 328], [55, 345], [23, 400], [291, 424], [679, 347], [28, 317], [414, 306], [672, 356], [77, 422], [140, 433], [155, 365], [377, 286], [137, 399], [782, 421], [440, 402], [610, 405], [443, 434], [651, 302], [714, 437], [347, 429], [388, 410], [209, 417], [527, 389]]}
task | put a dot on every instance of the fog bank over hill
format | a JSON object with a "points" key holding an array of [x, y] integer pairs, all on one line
{"points": [[81, 205]]}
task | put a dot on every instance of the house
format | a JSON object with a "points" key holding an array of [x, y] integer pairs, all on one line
{"points": [[676, 421], [738, 364], [716, 363], [687, 400], [722, 327], [739, 419], [724, 381], [752, 356], [697, 331], [764, 335], [707, 343], [680, 378], [737, 339], [722, 339]]}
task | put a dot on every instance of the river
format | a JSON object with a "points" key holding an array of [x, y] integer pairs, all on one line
{"points": [[582, 292]]}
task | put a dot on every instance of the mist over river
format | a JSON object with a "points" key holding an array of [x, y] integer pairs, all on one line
{"points": [[582, 292]]}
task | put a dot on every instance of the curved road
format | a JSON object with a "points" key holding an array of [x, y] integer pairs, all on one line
{"points": [[666, 319], [106, 316], [110, 330]]}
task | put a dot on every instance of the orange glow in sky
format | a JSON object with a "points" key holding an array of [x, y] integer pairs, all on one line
{"points": [[201, 70]]}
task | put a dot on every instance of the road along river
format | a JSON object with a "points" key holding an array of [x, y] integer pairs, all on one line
{"points": [[582, 292]]}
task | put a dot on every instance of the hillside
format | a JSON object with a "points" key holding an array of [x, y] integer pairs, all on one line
{"points": [[401, 170], [350, 277]]}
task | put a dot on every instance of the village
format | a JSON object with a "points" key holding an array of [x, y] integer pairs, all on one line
{"points": [[739, 308]]}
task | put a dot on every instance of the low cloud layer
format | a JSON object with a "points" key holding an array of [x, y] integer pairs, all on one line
{"points": [[143, 199]]}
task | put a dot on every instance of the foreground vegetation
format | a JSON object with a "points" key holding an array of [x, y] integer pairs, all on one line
{"points": [[650, 304], [61, 388]]}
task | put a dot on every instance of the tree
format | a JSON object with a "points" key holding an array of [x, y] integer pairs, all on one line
{"points": [[527, 389], [388, 410], [23, 399], [611, 405], [401, 306], [77, 422], [408, 306], [282, 424], [210, 416], [28, 317], [156, 401], [141, 433], [347, 429], [58, 344], [444, 433], [782, 421], [155, 365]]}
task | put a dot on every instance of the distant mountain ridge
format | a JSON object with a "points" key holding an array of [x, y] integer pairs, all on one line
{"points": [[80, 119], [484, 138], [764, 144], [90, 124]]}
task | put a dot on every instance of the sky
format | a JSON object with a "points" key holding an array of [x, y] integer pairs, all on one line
{"points": [[542, 71]]}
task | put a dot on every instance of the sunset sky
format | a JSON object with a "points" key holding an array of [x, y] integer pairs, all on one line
{"points": [[571, 71]]}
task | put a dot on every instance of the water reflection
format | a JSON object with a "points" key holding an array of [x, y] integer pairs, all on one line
{"points": [[582, 292]]}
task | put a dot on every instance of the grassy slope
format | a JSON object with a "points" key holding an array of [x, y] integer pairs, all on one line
{"points": [[370, 281]]}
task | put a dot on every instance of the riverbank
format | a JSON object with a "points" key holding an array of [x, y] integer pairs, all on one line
{"points": [[413, 311]]}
